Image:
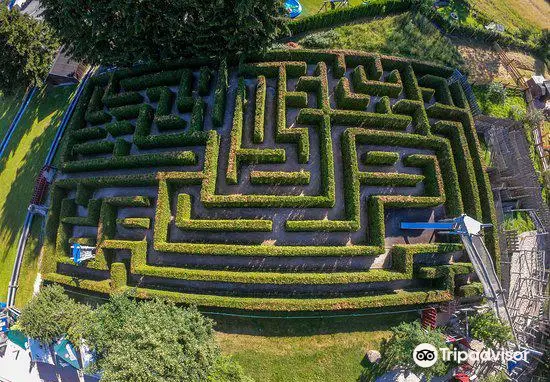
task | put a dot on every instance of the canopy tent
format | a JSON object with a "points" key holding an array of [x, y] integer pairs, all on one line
{"points": [[67, 353], [40, 352], [19, 339]]}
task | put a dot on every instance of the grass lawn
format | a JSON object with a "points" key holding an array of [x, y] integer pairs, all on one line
{"points": [[19, 167], [513, 100], [304, 350], [399, 35], [8, 108], [516, 14], [311, 7]]}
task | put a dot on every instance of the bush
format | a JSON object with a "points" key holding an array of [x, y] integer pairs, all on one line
{"points": [[496, 92], [182, 158], [380, 158], [119, 128], [487, 327], [204, 81], [89, 148], [220, 95], [125, 112]]}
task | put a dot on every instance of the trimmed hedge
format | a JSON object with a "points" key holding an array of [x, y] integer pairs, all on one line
{"points": [[88, 133], [220, 95], [121, 148], [164, 78], [182, 158], [205, 76], [126, 112], [139, 223], [119, 128], [122, 99], [259, 112], [280, 177], [384, 158], [90, 148], [345, 99]]}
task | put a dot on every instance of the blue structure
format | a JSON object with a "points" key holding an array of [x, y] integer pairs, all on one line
{"points": [[439, 225], [294, 8]]}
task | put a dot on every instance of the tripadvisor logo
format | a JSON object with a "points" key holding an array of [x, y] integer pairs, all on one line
{"points": [[425, 355]]}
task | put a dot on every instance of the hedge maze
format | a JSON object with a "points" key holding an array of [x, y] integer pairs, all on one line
{"points": [[277, 183]]}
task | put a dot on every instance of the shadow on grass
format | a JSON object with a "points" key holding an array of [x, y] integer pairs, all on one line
{"points": [[46, 108], [281, 327], [9, 105]]}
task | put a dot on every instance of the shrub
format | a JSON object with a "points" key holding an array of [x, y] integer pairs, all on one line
{"points": [[122, 99], [181, 158], [220, 95], [380, 158], [89, 148], [496, 92], [163, 78], [259, 116], [170, 122], [487, 327], [122, 148], [119, 128], [204, 81], [125, 112], [280, 177]]}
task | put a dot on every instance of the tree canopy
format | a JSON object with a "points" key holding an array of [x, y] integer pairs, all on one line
{"points": [[147, 341], [27, 49], [51, 314], [123, 32]]}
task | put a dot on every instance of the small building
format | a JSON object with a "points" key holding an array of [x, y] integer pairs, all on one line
{"points": [[66, 70]]}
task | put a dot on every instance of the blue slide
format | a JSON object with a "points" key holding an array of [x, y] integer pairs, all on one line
{"points": [[294, 8]]}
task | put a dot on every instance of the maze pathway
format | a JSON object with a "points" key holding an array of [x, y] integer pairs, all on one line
{"points": [[275, 184]]}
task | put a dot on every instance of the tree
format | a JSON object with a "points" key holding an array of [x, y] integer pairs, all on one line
{"points": [[487, 327], [52, 314], [132, 337], [27, 49], [123, 32], [147, 341], [398, 350]]}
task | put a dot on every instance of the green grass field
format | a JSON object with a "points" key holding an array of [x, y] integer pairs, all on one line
{"points": [[400, 35], [304, 350], [311, 7], [19, 167], [8, 108]]}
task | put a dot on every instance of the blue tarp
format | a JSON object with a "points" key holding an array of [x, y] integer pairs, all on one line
{"points": [[18, 339]]}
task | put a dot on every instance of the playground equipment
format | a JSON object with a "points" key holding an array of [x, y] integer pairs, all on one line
{"points": [[469, 231], [294, 8], [82, 253]]}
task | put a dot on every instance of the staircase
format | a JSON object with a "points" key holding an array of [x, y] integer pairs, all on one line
{"points": [[457, 76]]}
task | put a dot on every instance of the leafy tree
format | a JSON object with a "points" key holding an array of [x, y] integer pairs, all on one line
{"points": [[131, 337], [487, 327], [27, 49], [397, 351], [148, 341], [123, 32], [52, 314]]}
